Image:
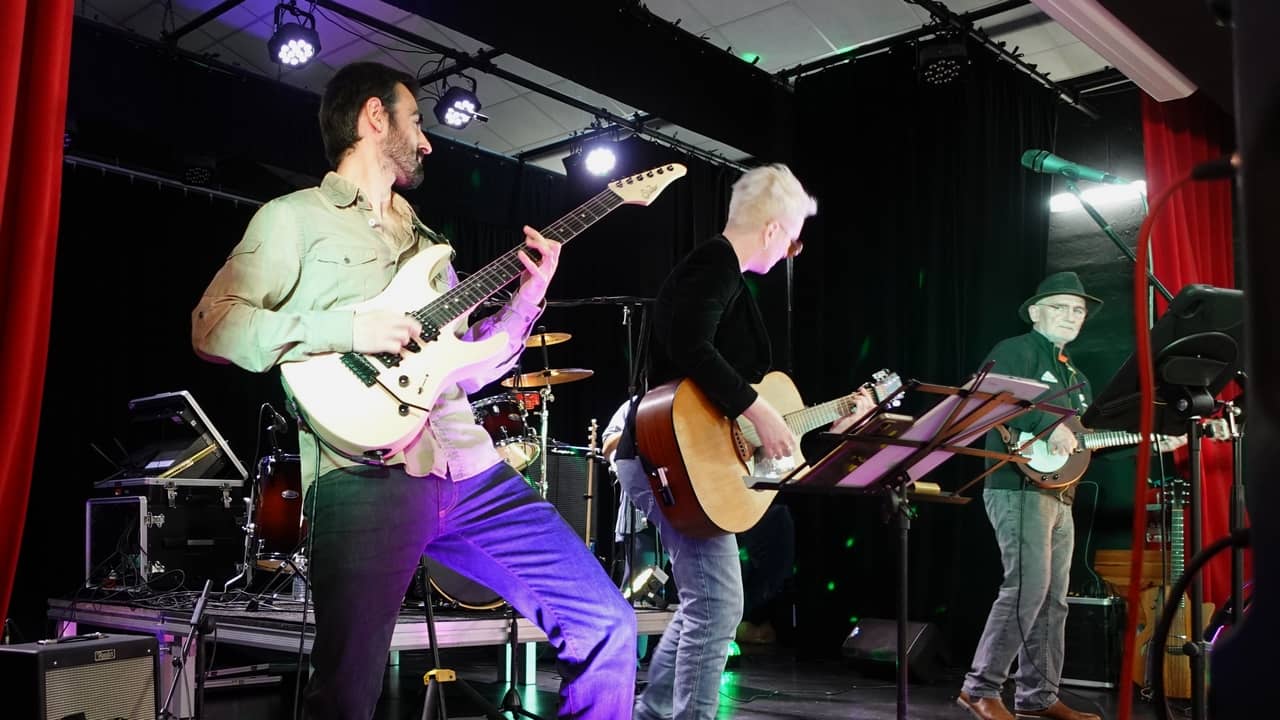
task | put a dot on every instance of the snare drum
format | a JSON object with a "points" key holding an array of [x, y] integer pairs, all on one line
{"points": [[504, 417], [277, 510]]}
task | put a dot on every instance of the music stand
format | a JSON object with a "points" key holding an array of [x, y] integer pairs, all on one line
{"points": [[885, 453], [1197, 347]]}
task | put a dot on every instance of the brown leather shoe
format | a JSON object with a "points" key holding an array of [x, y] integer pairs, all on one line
{"points": [[984, 708], [1058, 711]]}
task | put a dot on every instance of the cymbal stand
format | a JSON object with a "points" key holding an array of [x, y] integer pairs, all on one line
{"points": [[547, 399]]}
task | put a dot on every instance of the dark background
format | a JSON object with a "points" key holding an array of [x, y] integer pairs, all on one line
{"points": [[928, 236]]}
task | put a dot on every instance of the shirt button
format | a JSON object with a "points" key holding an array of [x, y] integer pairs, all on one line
{"points": [[373, 223], [346, 260]]}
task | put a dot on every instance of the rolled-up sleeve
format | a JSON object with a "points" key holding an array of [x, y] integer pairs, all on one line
{"points": [[240, 318]]}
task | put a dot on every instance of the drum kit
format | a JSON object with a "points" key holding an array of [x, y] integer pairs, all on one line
{"points": [[517, 422]]}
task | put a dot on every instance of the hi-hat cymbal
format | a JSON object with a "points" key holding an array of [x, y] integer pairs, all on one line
{"points": [[551, 338], [554, 376]]}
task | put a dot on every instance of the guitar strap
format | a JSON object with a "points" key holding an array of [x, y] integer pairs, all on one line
{"points": [[637, 386]]}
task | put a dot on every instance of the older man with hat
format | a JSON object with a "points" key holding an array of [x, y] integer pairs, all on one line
{"points": [[1033, 527]]}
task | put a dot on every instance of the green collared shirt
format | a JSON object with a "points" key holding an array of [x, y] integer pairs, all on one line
{"points": [[280, 297], [1034, 357]]}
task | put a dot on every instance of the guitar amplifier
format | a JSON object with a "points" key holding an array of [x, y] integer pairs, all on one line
{"points": [[95, 677], [1094, 642]]}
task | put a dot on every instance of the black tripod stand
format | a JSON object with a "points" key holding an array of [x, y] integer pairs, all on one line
{"points": [[434, 707]]}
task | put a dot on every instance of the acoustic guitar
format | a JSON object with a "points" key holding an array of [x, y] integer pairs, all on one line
{"points": [[702, 456]]}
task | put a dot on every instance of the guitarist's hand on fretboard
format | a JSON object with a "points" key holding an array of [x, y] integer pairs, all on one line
{"points": [[863, 403], [776, 439]]}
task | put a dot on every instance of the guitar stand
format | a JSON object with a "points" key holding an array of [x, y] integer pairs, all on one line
{"points": [[433, 706]]}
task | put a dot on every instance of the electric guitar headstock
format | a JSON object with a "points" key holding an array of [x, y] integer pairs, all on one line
{"points": [[643, 188]]}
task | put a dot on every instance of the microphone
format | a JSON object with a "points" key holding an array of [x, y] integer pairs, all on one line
{"points": [[1043, 161], [278, 423]]}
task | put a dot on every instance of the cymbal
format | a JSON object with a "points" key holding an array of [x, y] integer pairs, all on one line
{"points": [[554, 376], [552, 338]]}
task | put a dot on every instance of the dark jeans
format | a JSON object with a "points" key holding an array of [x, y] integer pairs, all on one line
{"points": [[371, 525]]}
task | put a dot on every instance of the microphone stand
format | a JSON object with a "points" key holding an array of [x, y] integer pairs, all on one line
{"points": [[1106, 229], [180, 662]]}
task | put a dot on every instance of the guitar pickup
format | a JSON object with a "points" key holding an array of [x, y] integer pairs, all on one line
{"points": [[664, 488]]}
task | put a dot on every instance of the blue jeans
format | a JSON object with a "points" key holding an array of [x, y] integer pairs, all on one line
{"points": [[1036, 535], [369, 528], [684, 674]]}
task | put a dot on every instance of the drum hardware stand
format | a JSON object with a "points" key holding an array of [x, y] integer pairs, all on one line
{"points": [[511, 701], [275, 429], [547, 399], [433, 707], [198, 629]]}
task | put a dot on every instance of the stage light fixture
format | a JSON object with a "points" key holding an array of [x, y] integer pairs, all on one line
{"points": [[941, 60], [601, 159], [458, 107], [295, 42]]}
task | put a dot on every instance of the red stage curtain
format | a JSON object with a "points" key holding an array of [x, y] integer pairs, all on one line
{"points": [[1193, 244], [33, 108]]}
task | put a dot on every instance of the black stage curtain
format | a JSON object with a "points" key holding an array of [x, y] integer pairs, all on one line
{"points": [[929, 235]]}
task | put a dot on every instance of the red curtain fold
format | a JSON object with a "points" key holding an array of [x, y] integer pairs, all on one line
{"points": [[35, 57], [1192, 243]]}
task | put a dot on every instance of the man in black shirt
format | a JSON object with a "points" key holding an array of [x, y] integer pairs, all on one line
{"points": [[708, 328]]}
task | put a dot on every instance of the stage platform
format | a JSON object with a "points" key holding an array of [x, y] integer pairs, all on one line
{"points": [[278, 629]]}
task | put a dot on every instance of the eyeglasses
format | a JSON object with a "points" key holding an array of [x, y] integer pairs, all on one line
{"points": [[1076, 310]]}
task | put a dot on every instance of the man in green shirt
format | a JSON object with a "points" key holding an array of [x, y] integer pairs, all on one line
{"points": [[280, 297], [1033, 527]]}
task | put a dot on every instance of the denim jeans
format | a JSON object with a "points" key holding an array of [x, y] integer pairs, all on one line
{"points": [[1036, 535], [369, 528], [684, 674]]}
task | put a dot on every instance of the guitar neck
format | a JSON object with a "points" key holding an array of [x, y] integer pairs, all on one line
{"points": [[806, 419], [1112, 438], [481, 285]]}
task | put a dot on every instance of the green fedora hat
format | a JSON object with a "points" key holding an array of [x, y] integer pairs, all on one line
{"points": [[1060, 283]]}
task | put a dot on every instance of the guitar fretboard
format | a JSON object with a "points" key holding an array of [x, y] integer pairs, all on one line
{"points": [[1113, 438], [806, 419], [469, 293]]}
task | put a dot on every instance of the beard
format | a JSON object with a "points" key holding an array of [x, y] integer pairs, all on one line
{"points": [[402, 152]]}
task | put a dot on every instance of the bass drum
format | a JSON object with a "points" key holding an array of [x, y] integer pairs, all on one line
{"points": [[454, 590]]}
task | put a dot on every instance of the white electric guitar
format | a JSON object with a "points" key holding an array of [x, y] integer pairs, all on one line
{"points": [[375, 405]]}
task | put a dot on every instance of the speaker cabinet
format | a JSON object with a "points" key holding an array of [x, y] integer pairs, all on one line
{"points": [[567, 491], [1094, 642], [98, 677], [872, 648]]}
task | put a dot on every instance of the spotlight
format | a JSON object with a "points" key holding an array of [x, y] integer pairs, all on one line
{"points": [[941, 60], [601, 159], [458, 107], [293, 43]]}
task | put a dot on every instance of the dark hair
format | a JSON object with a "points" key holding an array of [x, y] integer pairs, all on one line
{"points": [[346, 94]]}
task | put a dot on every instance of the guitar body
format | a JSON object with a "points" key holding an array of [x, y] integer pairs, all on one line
{"points": [[1054, 472], [706, 456], [388, 415], [1175, 668]]}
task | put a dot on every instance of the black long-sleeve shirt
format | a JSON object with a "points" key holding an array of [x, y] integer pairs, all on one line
{"points": [[707, 327]]}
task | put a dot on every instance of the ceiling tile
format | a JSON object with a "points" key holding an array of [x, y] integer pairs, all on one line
{"points": [[781, 36], [846, 24], [671, 10], [520, 123], [720, 12]]}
